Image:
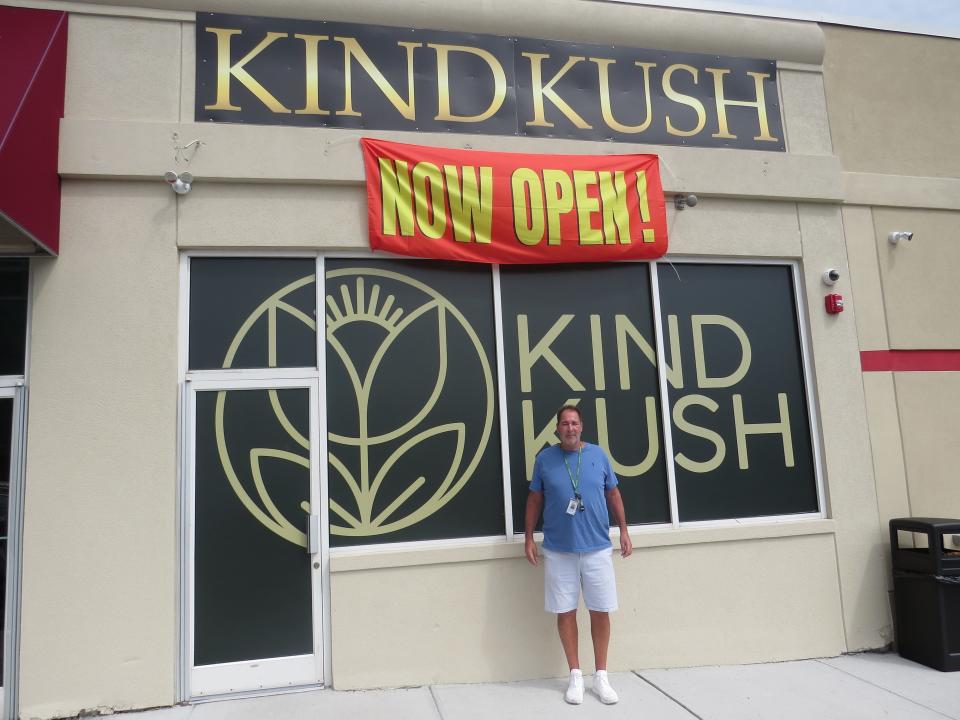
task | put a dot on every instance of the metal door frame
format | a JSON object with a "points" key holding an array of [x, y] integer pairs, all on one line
{"points": [[271, 674], [11, 625]]}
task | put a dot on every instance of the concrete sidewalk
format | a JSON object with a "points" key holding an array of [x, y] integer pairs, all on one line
{"points": [[850, 687]]}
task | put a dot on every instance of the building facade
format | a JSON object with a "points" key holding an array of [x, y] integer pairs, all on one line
{"points": [[246, 452]]}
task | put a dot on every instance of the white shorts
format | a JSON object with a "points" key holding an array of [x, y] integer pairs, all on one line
{"points": [[566, 574]]}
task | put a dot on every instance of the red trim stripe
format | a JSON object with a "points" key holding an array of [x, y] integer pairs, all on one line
{"points": [[910, 360]]}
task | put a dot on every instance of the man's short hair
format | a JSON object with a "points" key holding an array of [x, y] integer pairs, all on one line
{"points": [[562, 410]]}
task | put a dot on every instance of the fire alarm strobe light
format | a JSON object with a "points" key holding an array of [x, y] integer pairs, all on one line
{"points": [[833, 303]]}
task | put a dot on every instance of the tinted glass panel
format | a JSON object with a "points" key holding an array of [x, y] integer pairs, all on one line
{"points": [[252, 491], [252, 313], [414, 447], [584, 335], [739, 407], [14, 276]]}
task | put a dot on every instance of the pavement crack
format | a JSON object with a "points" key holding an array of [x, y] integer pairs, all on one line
{"points": [[666, 694], [885, 689], [436, 703]]}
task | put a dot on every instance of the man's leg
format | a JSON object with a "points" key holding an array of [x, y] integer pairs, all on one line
{"points": [[600, 632], [600, 592], [567, 628]]}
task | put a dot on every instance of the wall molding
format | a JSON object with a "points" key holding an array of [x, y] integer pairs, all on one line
{"points": [[931, 193]]}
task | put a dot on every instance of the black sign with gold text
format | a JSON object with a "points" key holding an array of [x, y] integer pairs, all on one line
{"points": [[320, 74]]}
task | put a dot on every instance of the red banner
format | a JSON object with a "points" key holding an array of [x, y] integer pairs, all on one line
{"points": [[508, 208]]}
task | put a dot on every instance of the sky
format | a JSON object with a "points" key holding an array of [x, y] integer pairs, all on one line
{"points": [[926, 17]]}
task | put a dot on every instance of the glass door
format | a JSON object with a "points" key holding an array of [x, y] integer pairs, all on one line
{"points": [[257, 536]]}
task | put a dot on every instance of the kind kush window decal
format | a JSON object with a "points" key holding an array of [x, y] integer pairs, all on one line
{"points": [[413, 446], [413, 442]]}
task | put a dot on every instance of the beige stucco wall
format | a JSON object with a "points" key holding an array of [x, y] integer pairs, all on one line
{"points": [[929, 405], [920, 295], [890, 115], [701, 603], [99, 623], [891, 102], [102, 463]]}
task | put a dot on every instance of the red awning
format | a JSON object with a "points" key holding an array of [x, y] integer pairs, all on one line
{"points": [[33, 55]]}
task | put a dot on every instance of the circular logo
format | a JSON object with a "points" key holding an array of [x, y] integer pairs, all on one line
{"points": [[406, 430]]}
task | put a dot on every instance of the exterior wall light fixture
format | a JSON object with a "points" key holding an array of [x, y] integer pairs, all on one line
{"points": [[180, 183]]}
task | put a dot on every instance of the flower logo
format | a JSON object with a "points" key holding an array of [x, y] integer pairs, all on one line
{"points": [[393, 466]]}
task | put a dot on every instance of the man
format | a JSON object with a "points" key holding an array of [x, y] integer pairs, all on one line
{"points": [[574, 485]]}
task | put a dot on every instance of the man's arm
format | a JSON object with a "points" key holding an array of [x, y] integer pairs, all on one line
{"points": [[615, 504], [534, 506]]}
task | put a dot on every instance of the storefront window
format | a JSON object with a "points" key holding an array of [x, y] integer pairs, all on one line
{"points": [[584, 335], [252, 313], [410, 395], [413, 435], [740, 426]]}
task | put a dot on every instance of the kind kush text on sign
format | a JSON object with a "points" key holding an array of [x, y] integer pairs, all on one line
{"points": [[509, 208]]}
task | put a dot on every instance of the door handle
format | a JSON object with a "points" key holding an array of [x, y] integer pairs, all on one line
{"points": [[313, 534]]}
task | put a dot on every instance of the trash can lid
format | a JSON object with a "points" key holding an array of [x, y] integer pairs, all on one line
{"points": [[924, 523]]}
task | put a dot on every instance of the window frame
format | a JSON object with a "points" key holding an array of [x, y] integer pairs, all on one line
{"points": [[509, 536], [16, 387], [319, 581]]}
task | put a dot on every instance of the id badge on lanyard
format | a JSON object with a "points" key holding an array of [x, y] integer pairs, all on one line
{"points": [[576, 502]]}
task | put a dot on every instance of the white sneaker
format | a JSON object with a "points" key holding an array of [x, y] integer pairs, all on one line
{"points": [[601, 686], [574, 693]]}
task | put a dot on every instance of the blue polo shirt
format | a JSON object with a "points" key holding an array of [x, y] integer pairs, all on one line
{"points": [[585, 531]]}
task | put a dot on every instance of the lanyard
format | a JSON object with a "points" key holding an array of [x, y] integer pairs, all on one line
{"points": [[575, 483]]}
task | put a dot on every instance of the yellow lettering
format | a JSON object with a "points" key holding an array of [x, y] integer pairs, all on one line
{"points": [[596, 342], [722, 103], [541, 91], [559, 195], [626, 329], [428, 199], [704, 380], [683, 99], [396, 194], [644, 206], [781, 428], [686, 426], [352, 49], [443, 83], [529, 357], [312, 104], [653, 445], [471, 207], [586, 206], [616, 214], [525, 184], [603, 67], [225, 70]]}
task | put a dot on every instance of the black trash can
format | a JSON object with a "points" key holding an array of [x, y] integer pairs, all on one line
{"points": [[926, 589]]}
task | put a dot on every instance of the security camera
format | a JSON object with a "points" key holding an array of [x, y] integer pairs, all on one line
{"points": [[682, 201], [899, 235], [830, 277]]}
